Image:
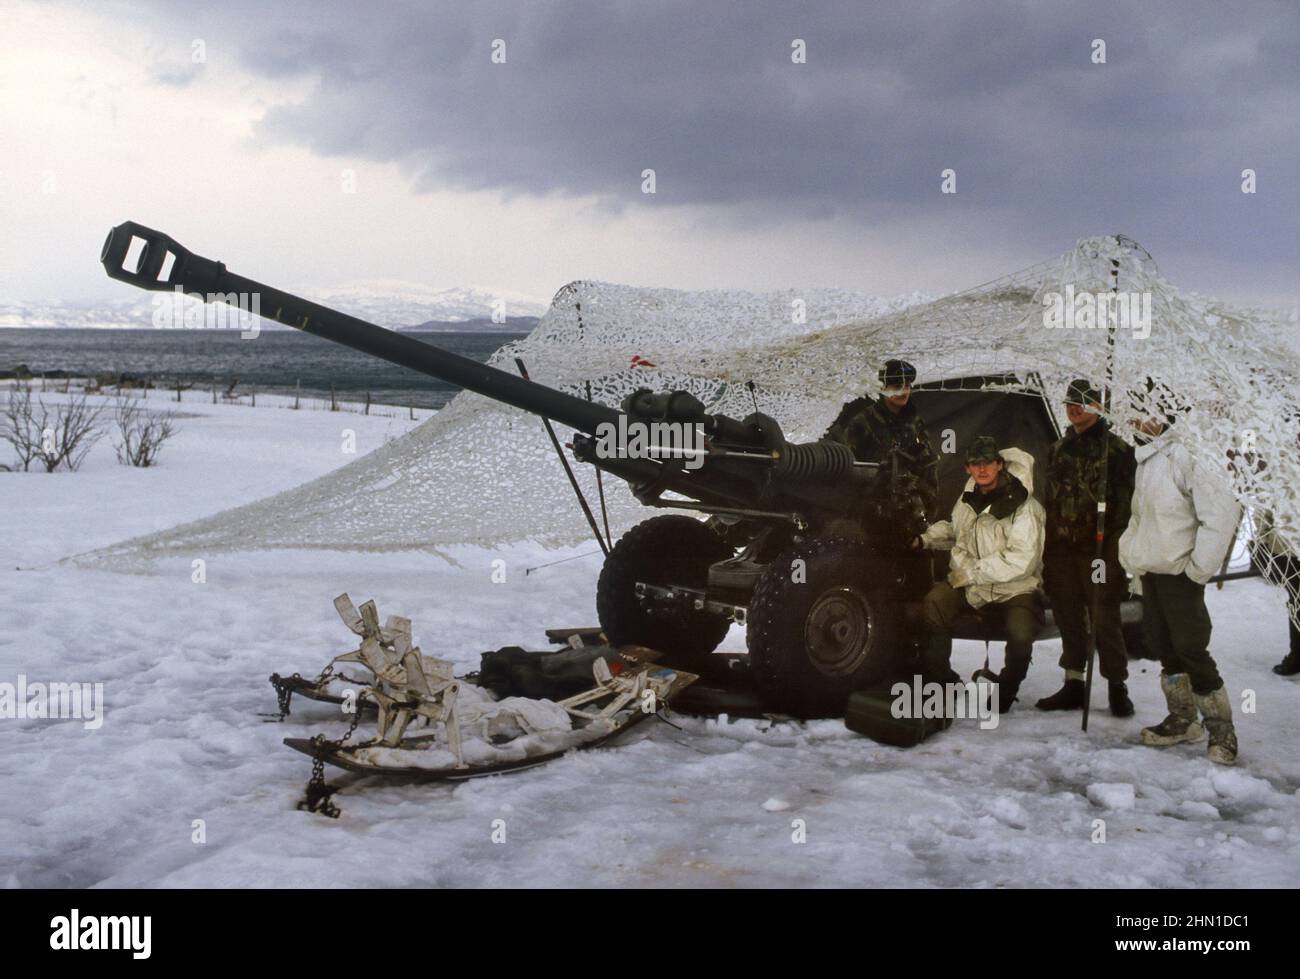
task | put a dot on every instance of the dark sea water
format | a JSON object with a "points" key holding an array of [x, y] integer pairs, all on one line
{"points": [[272, 362]]}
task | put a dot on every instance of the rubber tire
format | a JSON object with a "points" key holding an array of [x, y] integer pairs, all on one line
{"points": [[667, 550], [786, 677]]}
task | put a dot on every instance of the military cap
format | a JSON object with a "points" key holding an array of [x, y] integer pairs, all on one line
{"points": [[896, 373], [983, 449], [1081, 392]]}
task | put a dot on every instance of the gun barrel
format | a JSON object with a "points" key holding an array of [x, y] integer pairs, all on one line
{"points": [[211, 281], [760, 470]]}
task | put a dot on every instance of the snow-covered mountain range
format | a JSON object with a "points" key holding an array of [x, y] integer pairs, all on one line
{"points": [[392, 303]]}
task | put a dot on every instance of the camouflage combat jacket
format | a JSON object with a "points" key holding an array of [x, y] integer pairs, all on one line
{"points": [[871, 430], [1074, 482]]}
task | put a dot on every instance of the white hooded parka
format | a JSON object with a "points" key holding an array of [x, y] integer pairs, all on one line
{"points": [[994, 558], [1184, 520]]}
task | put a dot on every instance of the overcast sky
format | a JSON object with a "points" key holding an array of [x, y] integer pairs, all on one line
{"points": [[324, 143]]}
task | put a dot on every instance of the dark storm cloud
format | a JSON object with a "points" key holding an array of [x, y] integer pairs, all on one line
{"points": [[1152, 142]]}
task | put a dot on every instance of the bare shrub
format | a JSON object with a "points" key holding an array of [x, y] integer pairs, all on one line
{"points": [[68, 432], [54, 435], [140, 433], [18, 427]]}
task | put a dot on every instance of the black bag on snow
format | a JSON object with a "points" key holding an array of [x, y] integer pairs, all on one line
{"points": [[871, 712], [551, 675]]}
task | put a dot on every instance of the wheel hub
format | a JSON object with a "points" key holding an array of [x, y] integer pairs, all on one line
{"points": [[837, 632]]}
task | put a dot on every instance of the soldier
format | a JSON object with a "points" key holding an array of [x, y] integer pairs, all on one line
{"points": [[1073, 485], [873, 428], [1182, 524], [996, 536], [1275, 558], [1271, 552]]}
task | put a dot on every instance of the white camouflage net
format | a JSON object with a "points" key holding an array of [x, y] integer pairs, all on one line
{"points": [[479, 472]]}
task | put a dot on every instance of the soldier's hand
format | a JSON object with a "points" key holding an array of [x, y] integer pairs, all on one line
{"points": [[916, 543]]}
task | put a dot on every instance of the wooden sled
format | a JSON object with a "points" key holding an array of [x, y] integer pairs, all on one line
{"points": [[613, 705]]}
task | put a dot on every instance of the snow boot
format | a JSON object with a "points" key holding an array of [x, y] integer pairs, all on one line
{"points": [[1007, 693], [989, 681], [1120, 704], [1217, 711], [1290, 664], [1069, 697], [1009, 680], [1181, 725]]}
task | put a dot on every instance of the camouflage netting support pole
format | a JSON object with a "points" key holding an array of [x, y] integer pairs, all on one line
{"points": [[568, 470], [1099, 555], [600, 483]]}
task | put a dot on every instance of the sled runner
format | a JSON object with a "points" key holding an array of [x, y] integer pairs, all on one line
{"points": [[346, 761], [327, 691]]}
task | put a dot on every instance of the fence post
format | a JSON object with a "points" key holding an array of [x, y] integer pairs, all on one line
{"points": [[297, 390], [367, 402], [334, 405]]}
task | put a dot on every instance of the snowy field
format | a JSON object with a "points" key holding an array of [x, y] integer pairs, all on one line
{"points": [[185, 666]]}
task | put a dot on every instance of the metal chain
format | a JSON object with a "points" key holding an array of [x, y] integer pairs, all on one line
{"points": [[283, 694], [317, 797]]}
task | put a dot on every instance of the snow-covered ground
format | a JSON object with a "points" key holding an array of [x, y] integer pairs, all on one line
{"points": [[185, 665]]}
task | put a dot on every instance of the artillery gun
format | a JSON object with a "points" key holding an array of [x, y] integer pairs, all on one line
{"points": [[803, 544]]}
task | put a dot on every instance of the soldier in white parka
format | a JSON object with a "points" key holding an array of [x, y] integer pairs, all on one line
{"points": [[996, 536], [1184, 520]]}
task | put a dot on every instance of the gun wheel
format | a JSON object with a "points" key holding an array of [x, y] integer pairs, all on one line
{"points": [[837, 632], [823, 621], [667, 550]]}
